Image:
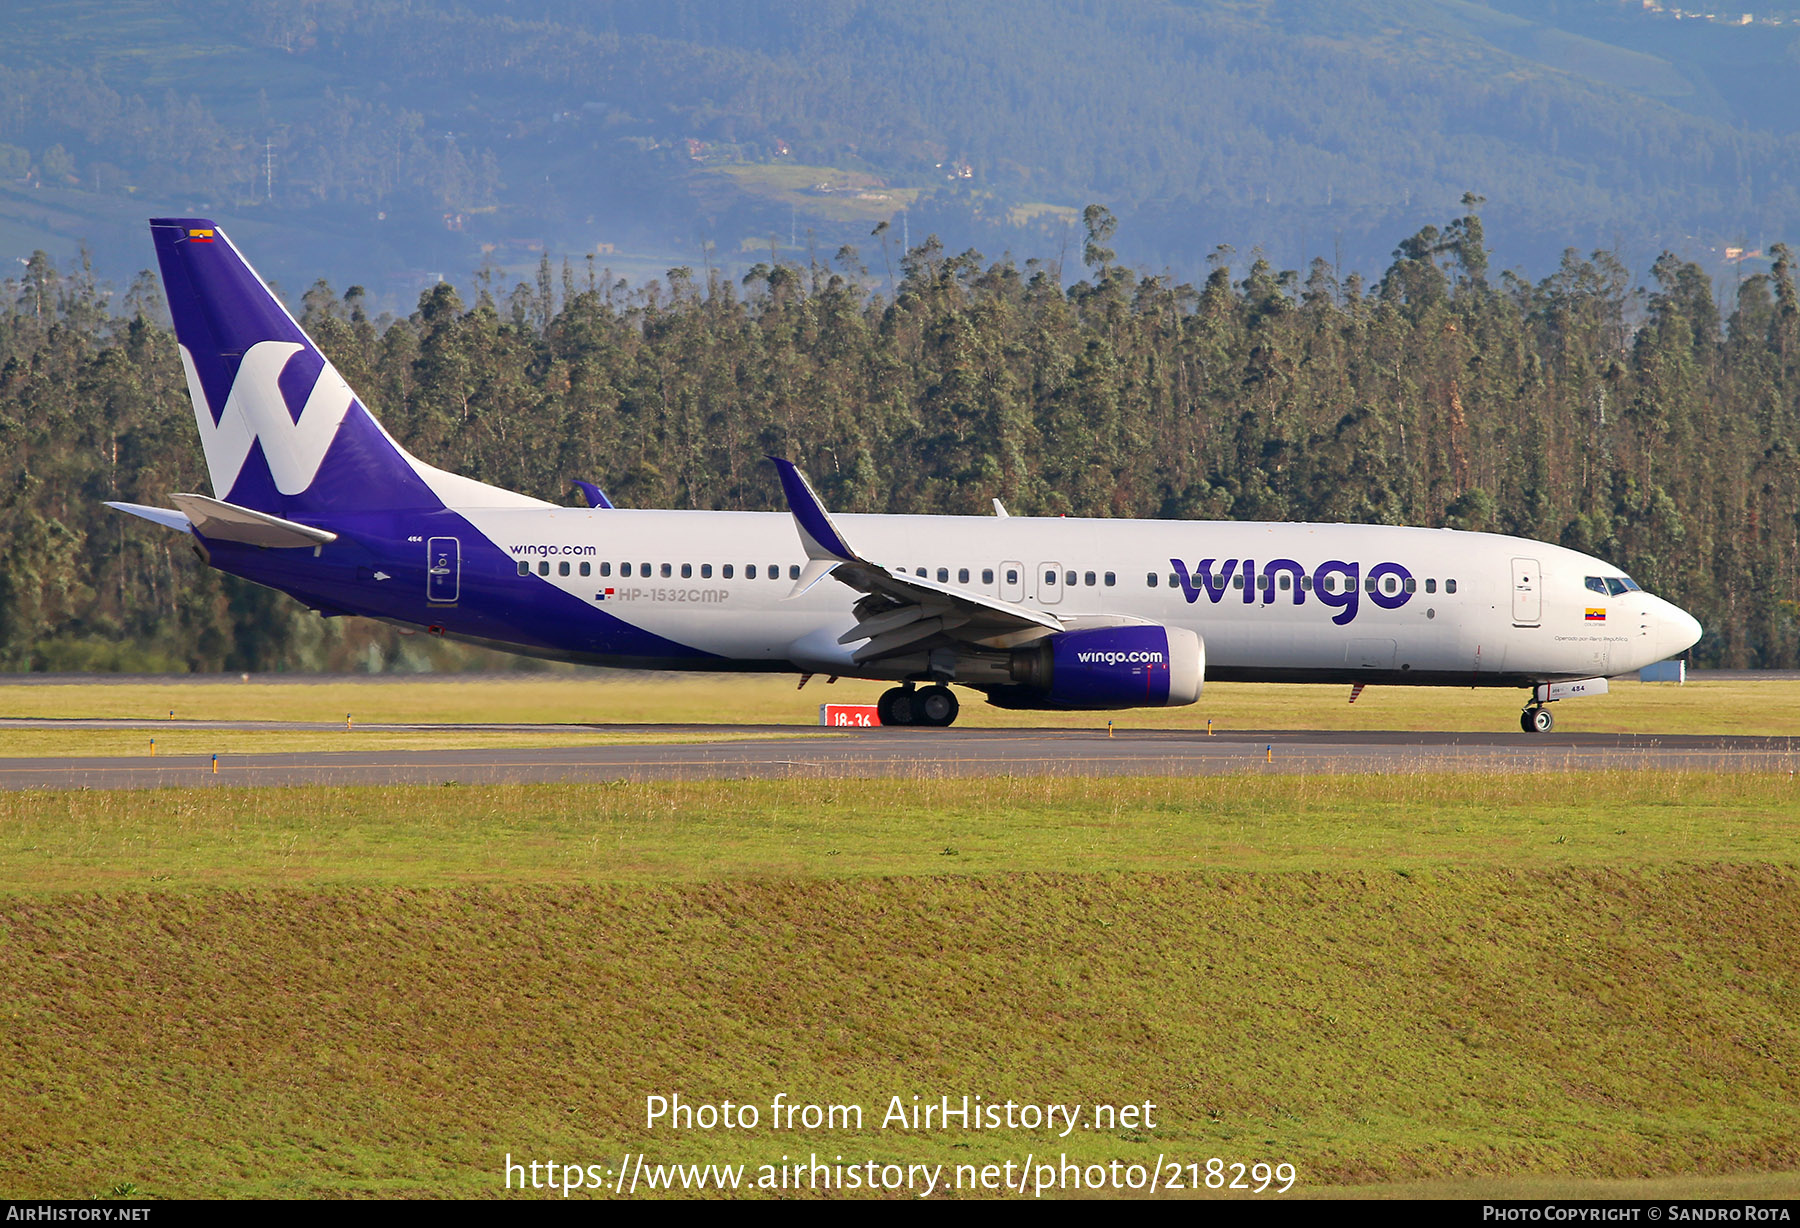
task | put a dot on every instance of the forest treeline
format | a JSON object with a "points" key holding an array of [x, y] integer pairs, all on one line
{"points": [[1632, 422]]}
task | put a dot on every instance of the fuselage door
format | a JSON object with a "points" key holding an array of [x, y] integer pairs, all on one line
{"points": [[1049, 578], [1012, 581], [443, 570], [1528, 593]]}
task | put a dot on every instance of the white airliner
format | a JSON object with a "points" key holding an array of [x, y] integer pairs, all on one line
{"points": [[312, 497]]}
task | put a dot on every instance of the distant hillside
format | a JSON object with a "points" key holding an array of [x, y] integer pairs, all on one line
{"points": [[388, 142]]}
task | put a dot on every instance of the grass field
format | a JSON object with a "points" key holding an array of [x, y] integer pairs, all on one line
{"points": [[682, 831], [606, 698], [549, 835], [855, 197], [1452, 985]]}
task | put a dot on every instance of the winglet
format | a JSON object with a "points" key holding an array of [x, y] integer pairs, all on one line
{"points": [[817, 533], [595, 496], [814, 571]]}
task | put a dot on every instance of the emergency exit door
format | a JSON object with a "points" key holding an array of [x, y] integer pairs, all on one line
{"points": [[1012, 581]]}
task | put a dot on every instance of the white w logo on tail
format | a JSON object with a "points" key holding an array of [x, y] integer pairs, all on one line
{"points": [[256, 410]]}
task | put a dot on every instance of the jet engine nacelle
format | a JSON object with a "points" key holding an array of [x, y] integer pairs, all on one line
{"points": [[1138, 666]]}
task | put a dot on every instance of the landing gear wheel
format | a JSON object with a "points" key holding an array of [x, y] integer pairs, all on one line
{"points": [[1536, 720], [899, 706], [935, 705]]}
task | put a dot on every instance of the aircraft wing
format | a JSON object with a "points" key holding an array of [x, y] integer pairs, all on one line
{"points": [[899, 612]]}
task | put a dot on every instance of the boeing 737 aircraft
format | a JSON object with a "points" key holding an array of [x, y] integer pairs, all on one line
{"points": [[312, 497]]}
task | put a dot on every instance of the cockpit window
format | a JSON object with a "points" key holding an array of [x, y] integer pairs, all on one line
{"points": [[1612, 586]]}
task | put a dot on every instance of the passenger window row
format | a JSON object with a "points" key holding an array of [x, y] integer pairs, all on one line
{"points": [[1388, 584], [752, 571], [1069, 578], [1086, 579], [665, 570], [1268, 584], [962, 575]]}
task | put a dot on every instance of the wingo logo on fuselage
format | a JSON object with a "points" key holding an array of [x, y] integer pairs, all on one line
{"points": [[1213, 578]]}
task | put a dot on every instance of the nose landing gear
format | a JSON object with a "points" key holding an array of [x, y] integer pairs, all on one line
{"points": [[1537, 719]]}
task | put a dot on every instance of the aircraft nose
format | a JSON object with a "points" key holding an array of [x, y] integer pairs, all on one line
{"points": [[1680, 630]]}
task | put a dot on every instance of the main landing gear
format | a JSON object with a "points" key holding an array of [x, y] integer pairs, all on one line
{"points": [[932, 705], [1536, 719]]}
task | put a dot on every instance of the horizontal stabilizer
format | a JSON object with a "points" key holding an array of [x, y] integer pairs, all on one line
{"points": [[228, 522], [164, 516]]}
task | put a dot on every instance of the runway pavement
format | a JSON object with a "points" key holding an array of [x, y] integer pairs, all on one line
{"points": [[791, 751]]}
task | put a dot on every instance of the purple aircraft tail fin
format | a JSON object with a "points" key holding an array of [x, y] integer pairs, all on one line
{"points": [[283, 433]]}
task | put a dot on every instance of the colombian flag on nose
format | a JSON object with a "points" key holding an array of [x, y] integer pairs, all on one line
{"points": [[200, 236], [1596, 616]]}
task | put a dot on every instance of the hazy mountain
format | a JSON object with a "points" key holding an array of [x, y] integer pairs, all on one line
{"points": [[389, 141]]}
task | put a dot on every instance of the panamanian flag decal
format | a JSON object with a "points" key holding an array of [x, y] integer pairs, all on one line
{"points": [[602, 596], [1596, 616]]}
